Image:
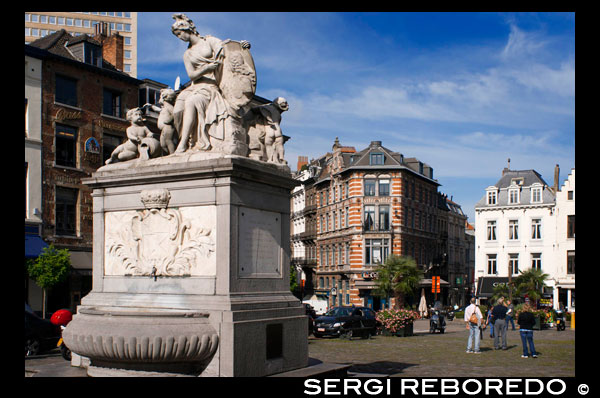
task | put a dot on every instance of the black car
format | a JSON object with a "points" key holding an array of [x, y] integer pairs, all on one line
{"points": [[40, 334], [346, 321]]}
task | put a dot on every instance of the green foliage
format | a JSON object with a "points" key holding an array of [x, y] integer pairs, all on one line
{"points": [[531, 283], [51, 267], [398, 277], [293, 279], [499, 291]]}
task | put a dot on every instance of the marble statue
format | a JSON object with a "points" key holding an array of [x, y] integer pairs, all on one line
{"points": [[202, 110], [140, 140], [212, 115], [264, 131], [165, 120]]}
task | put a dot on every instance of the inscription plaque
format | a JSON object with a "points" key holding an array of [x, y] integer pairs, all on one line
{"points": [[259, 248]]}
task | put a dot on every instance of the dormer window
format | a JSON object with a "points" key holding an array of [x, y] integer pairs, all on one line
{"points": [[93, 54], [376, 159], [517, 181], [513, 195], [492, 195], [536, 193]]}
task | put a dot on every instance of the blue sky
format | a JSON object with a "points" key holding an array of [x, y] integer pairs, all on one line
{"points": [[462, 92]]}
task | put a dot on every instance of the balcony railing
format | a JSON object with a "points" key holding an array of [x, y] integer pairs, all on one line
{"points": [[376, 227]]}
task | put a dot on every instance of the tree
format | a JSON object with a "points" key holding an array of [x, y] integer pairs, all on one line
{"points": [[531, 283], [502, 290], [51, 267], [293, 279], [399, 277]]}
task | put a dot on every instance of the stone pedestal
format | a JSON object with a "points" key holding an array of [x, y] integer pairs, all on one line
{"points": [[191, 270]]}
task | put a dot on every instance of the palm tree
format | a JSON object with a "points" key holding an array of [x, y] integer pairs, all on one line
{"points": [[398, 277], [531, 282]]}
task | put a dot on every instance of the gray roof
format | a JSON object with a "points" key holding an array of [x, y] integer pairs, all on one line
{"points": [[525, 179]]}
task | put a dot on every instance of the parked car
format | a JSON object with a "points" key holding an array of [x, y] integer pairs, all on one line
{"points": [[40, 334], [346, 321]]}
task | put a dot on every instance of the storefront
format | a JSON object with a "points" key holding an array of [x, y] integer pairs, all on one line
{"points": [[486, 285]]}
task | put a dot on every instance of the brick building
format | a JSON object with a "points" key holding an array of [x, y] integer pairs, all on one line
{"points": [[369, 204], [84, 99]]}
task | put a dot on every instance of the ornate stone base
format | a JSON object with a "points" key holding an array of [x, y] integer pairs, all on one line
{"points": [[196, 234], [128, 340]]}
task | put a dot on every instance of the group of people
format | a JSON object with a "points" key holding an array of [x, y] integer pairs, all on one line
{"points": [[498, 318]]}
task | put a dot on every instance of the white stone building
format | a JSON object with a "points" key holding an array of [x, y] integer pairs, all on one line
{"points": [[564, 271], [521, 223]]}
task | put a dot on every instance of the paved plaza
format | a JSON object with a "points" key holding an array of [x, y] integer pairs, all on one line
{"points": [[443, 355]]}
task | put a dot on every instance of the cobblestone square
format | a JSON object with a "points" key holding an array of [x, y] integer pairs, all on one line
{"points": [[443, 355]]}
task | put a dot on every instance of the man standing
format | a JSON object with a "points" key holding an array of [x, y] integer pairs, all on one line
{"points": [[499, 316], [473, 327]]}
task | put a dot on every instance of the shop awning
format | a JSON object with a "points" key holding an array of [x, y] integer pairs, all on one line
{"points": [[486, 285], [33, 245]]}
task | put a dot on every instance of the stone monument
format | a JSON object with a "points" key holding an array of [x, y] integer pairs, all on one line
{"points": [[191, 248]]}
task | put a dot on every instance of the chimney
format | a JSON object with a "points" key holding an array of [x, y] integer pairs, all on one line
{"points": [[112, 45], [506, 169], [556, 178], [302, 161]]}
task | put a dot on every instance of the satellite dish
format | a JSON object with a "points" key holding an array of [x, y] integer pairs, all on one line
{"points": [[176, 84]]}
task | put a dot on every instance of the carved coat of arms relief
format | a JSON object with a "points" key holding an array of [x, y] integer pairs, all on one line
{"points": [[160, 241]]}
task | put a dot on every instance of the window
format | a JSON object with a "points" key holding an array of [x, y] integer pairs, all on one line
{"points": [[570, 195], [347, 215], [111, 103], [66, 209], [369, 187], [384, 218], [61, 20], [384, 187], [65, 90], [127, 54], [491, 230], [571, 226], [491, 264], [93, 55], [536, 195], [513, 230], [536, 229], [66, 146], [369, 220], [376, 250], [536, 261], [109, 143], [52, 20], [376, 159], [571, 262], [513, 196], [513, 263]]}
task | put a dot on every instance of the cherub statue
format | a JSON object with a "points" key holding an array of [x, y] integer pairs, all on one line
{"points": [[165, 120], [140, 140], [266, 119]]}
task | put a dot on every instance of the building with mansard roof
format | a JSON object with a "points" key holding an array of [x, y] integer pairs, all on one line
{"points": [[366, 205], [521, 222]]}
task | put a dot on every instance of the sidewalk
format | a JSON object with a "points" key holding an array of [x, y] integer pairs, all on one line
{"points": [[51, 365]]}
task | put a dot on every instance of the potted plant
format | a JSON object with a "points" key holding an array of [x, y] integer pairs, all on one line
{"points": [[397, 322]]}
